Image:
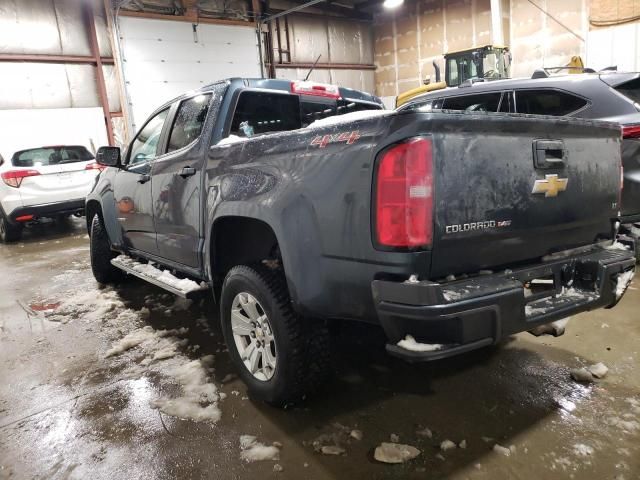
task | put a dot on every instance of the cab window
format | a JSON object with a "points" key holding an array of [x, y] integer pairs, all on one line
{"points": [[144, 146], [189, 121], [263, 112], [453, 72], [548, 102]]}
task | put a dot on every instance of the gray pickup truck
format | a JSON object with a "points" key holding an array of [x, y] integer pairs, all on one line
{"points": [[299, 204]]}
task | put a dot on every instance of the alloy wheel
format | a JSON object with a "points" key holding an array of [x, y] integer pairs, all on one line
{"points": [[253, 336]]}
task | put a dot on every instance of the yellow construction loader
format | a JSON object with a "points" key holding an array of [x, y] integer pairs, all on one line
{"points": [[489, 62]]}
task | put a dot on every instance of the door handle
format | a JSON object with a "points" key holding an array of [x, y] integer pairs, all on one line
{"points": [[549, 154], [144, 178], [187, 172]]}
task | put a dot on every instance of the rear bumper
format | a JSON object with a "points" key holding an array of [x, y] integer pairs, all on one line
{"points": [[468, 314], [48, 210]]}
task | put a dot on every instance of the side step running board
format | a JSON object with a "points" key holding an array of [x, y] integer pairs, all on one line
{"points": [[183, 287]]}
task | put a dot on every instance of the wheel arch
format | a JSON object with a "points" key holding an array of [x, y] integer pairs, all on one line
{"points": [[239, 240], [92, 208]]}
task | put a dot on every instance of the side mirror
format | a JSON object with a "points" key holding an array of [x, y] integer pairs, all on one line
{"points": [[109, 157]]}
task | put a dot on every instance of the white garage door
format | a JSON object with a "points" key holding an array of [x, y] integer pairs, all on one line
{"points": [[30, 128], [163, 59]]}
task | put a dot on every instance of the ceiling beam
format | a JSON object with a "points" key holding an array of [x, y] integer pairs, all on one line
{"points": [[44, 58], [182, 18], [332, 8], [368, 4]]}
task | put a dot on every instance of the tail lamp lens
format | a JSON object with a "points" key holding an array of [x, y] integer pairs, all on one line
{"points": [[404, 195], [94, 166], [631, 131], [316, 89], [14, 178]]}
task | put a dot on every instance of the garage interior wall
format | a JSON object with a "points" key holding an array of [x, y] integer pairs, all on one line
{"points": [[33, 34], [541, 33], [162, 59], [408, 40], [345, 47]]}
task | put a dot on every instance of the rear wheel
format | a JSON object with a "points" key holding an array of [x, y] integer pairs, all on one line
{"points": [[8, 231], [101, 254], [280, 356]]}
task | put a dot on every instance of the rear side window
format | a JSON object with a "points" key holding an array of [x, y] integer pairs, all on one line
{"points": [[548, 102], [631, 90], [264, 112], [41, 157], [189, 121], [486, 102]]}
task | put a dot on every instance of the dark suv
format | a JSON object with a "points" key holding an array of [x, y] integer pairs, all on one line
{"points": [[611, 96]]}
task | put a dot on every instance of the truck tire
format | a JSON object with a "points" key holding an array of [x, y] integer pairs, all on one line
{"points": [[101, 254], [8, 231], [280, 356]]}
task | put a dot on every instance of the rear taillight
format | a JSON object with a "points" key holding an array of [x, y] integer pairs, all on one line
{"points": [[14, 178], [316, 89], [404, 195], [94, 166], [631, 131]]}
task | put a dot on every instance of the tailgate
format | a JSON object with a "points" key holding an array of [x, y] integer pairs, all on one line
{"points": [[512, 188], [57, 183]]}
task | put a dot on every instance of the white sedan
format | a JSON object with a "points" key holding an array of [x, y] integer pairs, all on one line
{"points": [[49, 182]]}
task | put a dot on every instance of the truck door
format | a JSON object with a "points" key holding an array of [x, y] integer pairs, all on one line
{"points": [[132, 187], [176, 183]]}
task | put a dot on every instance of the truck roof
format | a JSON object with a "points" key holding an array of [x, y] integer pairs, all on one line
{"points": [[275, 84]]}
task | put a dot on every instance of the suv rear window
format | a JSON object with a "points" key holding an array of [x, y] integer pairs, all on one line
{"points": [[547, 102], [41, 157], [484, 102], [631, 90]]}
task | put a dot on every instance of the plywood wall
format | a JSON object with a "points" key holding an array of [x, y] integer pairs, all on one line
{"points": [[407, 40], [541, 40]]}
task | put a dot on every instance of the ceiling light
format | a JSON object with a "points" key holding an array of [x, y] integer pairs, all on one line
{"points": [[392, 3]]}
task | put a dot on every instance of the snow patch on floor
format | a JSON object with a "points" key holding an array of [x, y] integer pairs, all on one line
{"points": [[582, 450], [409, 343], [162, 350], [200, 397], [627, 426], [395, 453], [254, 451]]}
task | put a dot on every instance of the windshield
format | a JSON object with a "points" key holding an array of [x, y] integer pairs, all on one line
{"points": [[41, 157], [494, 65]]}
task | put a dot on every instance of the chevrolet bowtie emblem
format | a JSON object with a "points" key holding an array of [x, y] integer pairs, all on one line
{"points": [[550, 186]]}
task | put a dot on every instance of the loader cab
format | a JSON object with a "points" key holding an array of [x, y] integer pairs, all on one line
{"points": [[490, 62]]}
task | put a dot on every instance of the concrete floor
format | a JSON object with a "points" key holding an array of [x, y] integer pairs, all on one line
{"points": [[66, 411]]}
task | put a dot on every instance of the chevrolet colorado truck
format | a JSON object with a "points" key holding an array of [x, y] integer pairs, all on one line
{"points": [[298, 204]]}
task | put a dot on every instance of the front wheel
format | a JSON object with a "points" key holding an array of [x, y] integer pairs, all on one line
{"points": [[8, 231], [280, 356], [101, 254]]}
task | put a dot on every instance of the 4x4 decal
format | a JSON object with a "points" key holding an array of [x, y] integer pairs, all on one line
{"points": [[348, 137]]}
